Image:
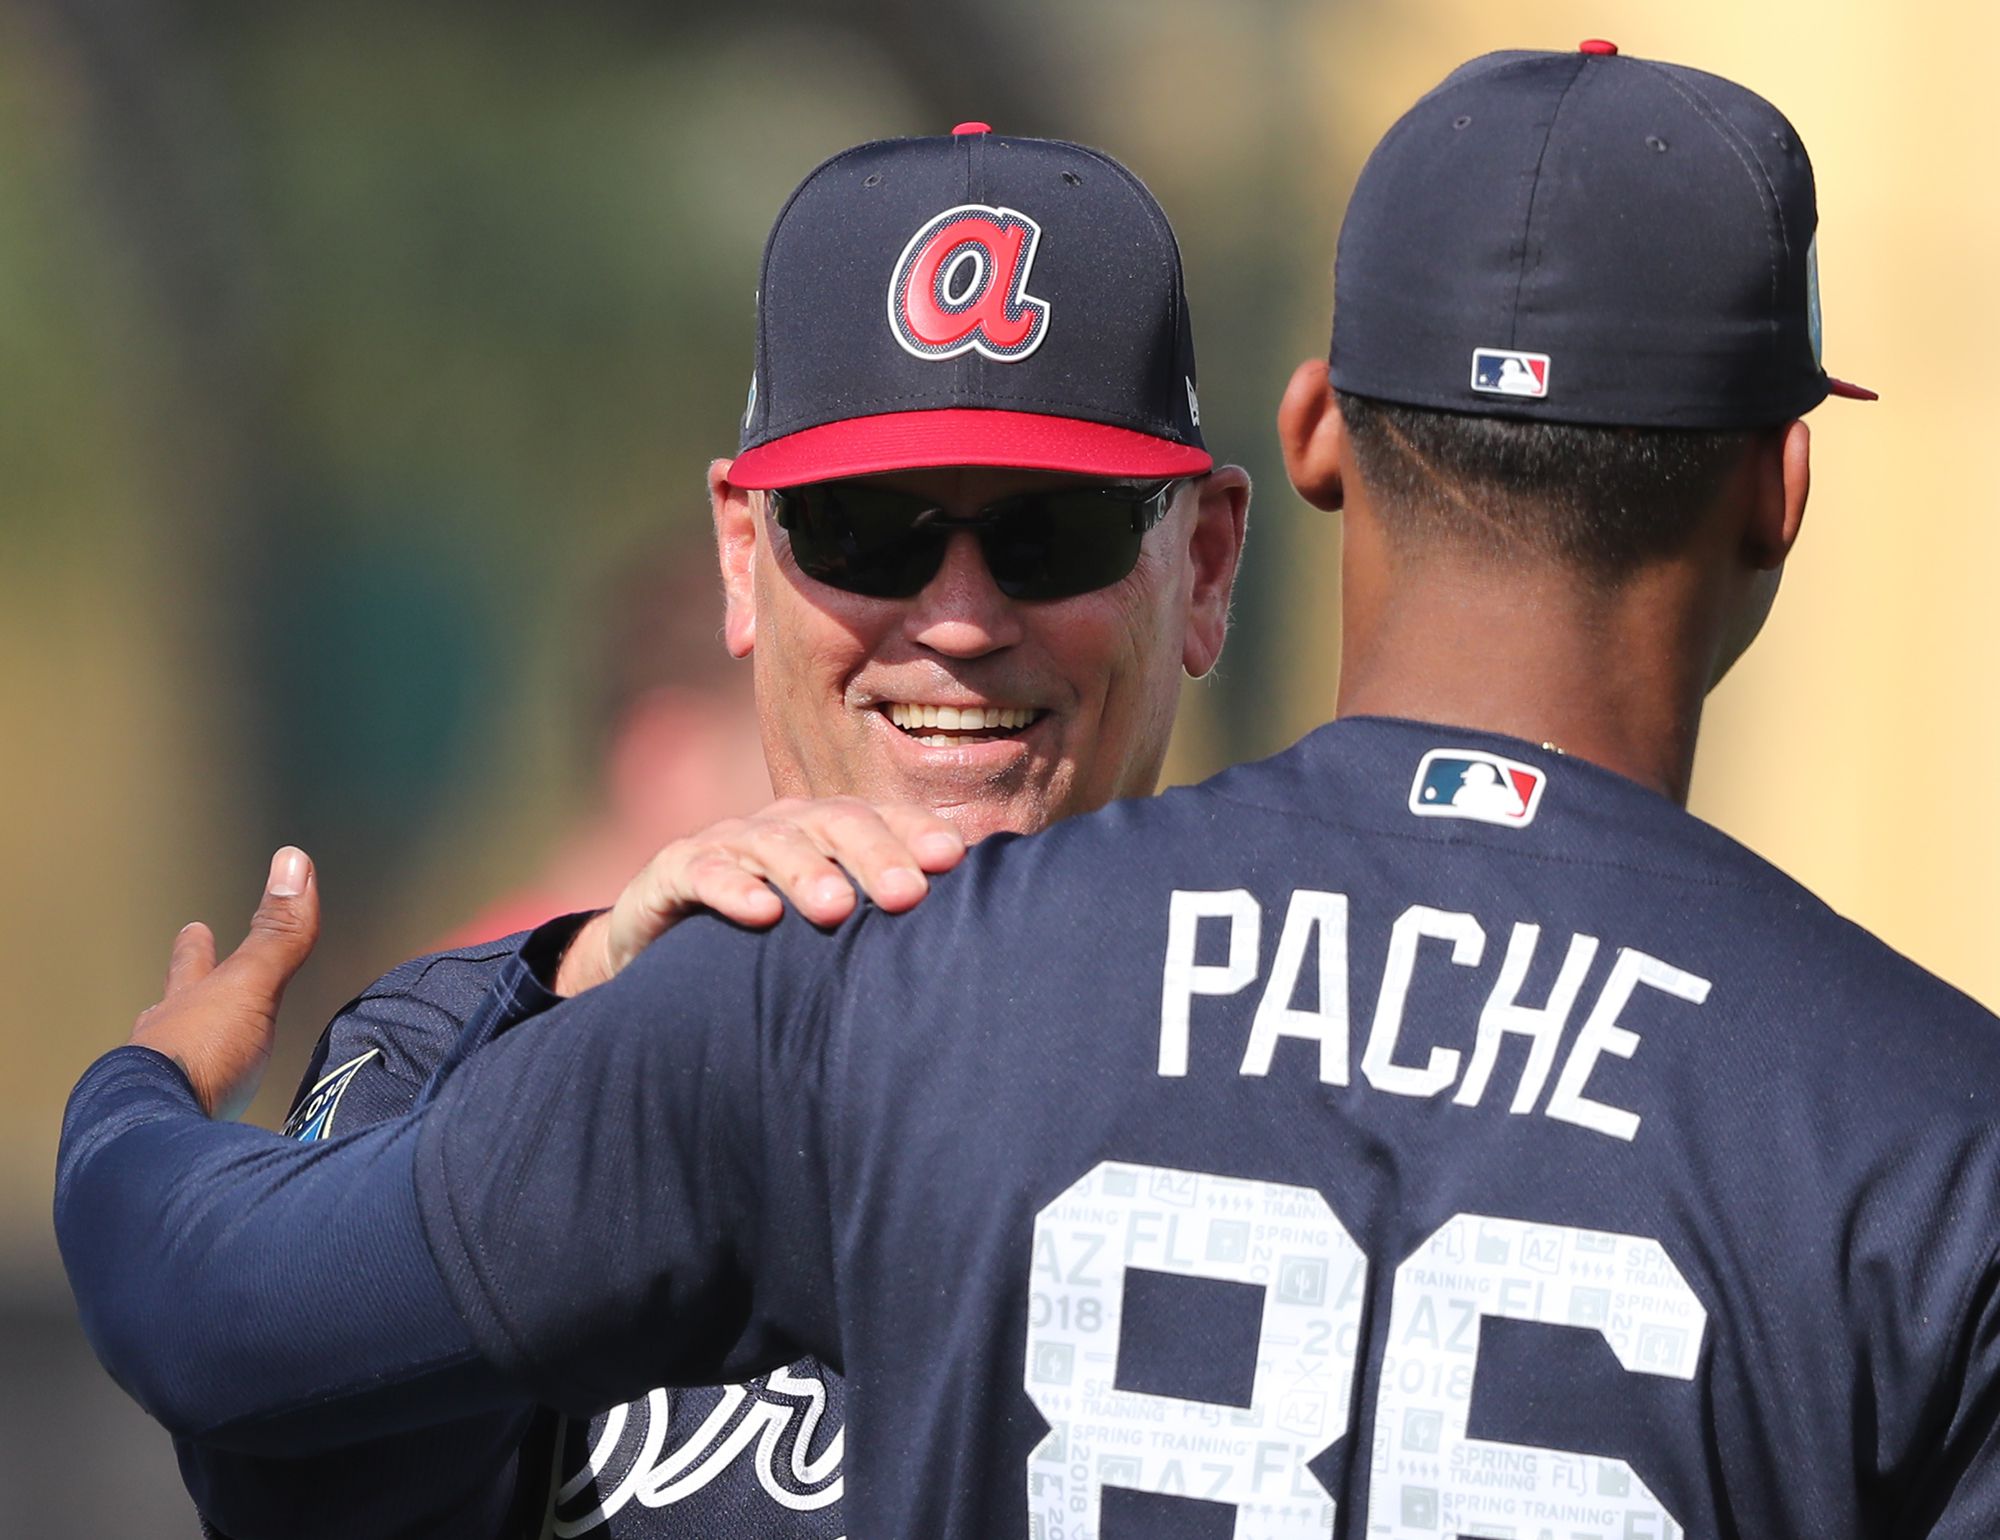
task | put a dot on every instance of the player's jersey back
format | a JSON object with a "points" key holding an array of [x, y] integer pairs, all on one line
{"points": [[1414, 1134]]}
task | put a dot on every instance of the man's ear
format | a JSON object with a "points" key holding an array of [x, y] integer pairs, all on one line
{"points": [[738, 529], [1784, 481], [1215, 546], [1313, 436]]}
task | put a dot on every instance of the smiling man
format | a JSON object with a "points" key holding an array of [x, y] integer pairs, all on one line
{"points": [[1029, 317], [1031, 672], [971, 544]]}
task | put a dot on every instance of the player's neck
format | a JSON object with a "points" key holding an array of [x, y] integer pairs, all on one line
{"points": [[1615, 677]]}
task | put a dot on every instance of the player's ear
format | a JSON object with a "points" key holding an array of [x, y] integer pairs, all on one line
{"points": [[736, 533], [1313, 436], [1784, 481], [1215, 545]]}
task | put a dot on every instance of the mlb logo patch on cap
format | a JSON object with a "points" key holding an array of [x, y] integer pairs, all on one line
{"points": [[1470, 783], [1504, 372]]}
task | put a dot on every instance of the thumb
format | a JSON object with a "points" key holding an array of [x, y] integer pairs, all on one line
{"points": [[283, 929]]}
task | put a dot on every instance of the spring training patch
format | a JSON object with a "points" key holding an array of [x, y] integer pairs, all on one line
{"points": [[1470, 783], [314, 1117]]}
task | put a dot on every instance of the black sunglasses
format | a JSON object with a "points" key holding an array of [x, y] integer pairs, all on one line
{"points": [[867, 539]]}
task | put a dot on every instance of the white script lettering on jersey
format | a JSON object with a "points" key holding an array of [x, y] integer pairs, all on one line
{"points": [[772, 1422], [1316, 926]]}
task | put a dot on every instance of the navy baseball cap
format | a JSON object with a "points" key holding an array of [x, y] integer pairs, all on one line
{"points": [[971, 299], [1585, 238]]}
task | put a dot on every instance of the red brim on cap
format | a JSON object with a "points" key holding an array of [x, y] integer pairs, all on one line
{"points": [[1849, 392], [906, 441]]}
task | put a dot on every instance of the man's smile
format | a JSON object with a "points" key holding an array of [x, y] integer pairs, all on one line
{"points": [[949, 726]]}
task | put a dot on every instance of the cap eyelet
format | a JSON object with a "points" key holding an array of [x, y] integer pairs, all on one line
{"points": [[1656, 143], [1462, 121], [1072, 178], [873, 179]]}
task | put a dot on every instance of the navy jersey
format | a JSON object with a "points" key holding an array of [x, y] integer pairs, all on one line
{"points": [[758, 1461], [1414, 1134]]}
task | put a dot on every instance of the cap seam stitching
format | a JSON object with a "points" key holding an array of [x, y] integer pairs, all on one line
{"points": [[1767, 194], [759, 355], [1534, 197], [1150, 206], [975, 194]]}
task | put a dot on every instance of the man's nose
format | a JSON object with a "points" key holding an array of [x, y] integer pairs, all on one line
{"points": [[961, 612]]}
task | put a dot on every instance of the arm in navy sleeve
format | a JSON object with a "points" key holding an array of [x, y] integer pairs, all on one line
{"points": [[672, 1148], [576, 1219], [464, 1478], [237, 1283]]}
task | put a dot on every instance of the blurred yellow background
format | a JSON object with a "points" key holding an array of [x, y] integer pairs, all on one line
{"points": [[347, 347]]}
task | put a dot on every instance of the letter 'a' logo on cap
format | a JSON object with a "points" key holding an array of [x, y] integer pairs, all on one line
{"points": [[961, 286]]}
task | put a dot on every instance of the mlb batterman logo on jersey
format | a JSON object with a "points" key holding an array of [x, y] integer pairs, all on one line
{"points": [[1470, 783], [961, 286], [1504, 372]]}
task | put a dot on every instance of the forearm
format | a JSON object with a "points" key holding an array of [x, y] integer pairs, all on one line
{"points": [[244, 1289], [456, 1481]]}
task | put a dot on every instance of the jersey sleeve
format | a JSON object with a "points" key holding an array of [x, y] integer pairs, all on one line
{"points": [[576, 1219], [462, 1478], [385, 1045], [248, 1290], [667, 1151], [1957, 1492]]}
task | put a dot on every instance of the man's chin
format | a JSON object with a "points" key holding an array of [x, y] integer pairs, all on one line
{"points": [[977, 820], [995, 805]]}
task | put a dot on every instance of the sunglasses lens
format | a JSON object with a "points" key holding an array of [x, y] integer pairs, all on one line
{"points": [[1053, 545], [861, 539], [1038, 545]]}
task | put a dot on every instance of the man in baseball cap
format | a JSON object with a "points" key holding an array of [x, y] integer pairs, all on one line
{"points": [[972, 540], [971, 544], [1338, 1129], [985, 336]]}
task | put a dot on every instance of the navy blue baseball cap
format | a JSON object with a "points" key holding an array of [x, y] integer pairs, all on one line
{"points": [[971, 299], [1585, 238]]}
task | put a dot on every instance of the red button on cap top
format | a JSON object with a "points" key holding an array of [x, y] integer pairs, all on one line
{"points": [[973, 128], [1596, 45]]}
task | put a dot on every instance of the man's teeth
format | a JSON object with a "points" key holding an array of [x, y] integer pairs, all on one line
{"points": [[964, 719]]}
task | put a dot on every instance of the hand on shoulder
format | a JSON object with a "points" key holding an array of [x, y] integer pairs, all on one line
{"points": [[814, 853]]}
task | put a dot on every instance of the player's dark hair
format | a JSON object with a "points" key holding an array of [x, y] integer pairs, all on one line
{"points": [[1604, 500]]}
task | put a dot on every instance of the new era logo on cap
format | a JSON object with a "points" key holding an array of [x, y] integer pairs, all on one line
{"points": [[1504, 372], [1470, 783]]}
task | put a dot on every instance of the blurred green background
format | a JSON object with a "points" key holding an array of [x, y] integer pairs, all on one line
{"points": [[347, 347]]}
